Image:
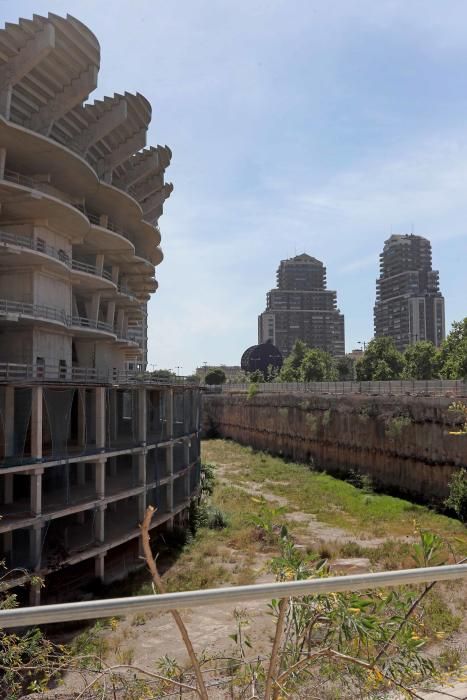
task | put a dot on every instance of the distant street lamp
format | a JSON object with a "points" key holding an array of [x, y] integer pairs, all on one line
{"points": [[359, 342]]}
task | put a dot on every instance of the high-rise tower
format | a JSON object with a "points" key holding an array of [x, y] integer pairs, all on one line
{"points": [[409, 306], [301, 308]]}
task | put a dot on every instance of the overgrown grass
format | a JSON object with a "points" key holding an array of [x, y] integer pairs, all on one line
{"points": [[331, 500]]}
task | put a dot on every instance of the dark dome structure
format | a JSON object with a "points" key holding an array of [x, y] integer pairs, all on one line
{"points": [[261, 357]]}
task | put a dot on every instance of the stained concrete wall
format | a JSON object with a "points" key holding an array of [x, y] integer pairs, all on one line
{"points": [[402, 442]]}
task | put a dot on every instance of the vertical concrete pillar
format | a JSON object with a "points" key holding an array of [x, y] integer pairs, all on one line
{"points": [[81, 517], [100, 264], [35, 543], [100, 417], [34, 594], [8, 488], [103, 220], [5, 100], [170, 481], [95, 304], [110, 317], [120, 320], [82, 417], [142, 481], [36, 423], [142, 416], [186, 459], [9, 420], [100, 524], [170, 414], [100, 478], [2, 162], [115, 273], [36, 492], [99, 566]]}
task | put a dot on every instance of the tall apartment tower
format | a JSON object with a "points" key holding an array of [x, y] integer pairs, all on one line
{"points": [[409, 306], [301, 308]]}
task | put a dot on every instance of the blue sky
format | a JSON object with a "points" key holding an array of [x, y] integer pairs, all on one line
{"points": [[295, 126]]}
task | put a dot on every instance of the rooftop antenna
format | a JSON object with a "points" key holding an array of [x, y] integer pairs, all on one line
{"points": [[411, 229]]}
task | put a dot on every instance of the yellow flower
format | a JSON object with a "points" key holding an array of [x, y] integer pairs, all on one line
{"points": [[357, 611]]}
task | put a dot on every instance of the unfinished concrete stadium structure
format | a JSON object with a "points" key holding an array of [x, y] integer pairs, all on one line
{"points": [[87, 439]]}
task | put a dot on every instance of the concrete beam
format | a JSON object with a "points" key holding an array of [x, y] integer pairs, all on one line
{"points": [[157, 199], [138, 172], [148, 186], [25, 60], [72, 94], [122, 153], [153, 214], [109, 121]]}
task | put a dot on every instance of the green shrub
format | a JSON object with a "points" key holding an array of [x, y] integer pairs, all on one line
{"points": [[457, 499]]}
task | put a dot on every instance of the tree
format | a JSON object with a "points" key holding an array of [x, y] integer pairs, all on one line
{"points": [[381, 361], [317, 366], [421, 361], [163, 374], [215, 376], [453, 355], [345, 367], [256, 377], [192, 379], [291, 369]]}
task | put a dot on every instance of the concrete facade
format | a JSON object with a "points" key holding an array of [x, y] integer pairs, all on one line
{"points": [[301, 308], [409, 306], [87, 440], [80, 200]]}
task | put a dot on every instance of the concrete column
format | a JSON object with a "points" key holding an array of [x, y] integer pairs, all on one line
{"points": [[100, 478], [142, 468], [35, 544], [9, 420], [36, 492], [103, 220], [82, 417], [99, 264], [100, 417], [110, 317], [142, 416], [170, 482], [186, 459], [7, 542], [115, 273], [95, 304], [35, 594], [2, 162], [8, 488], [120, 320], [100, 524], [81, 473], [170, 413], [99, 566], [81, 517], [5, 100], [36, 423]]}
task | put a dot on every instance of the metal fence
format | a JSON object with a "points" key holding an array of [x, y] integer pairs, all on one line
{"points": [[436, 387], [38, 373], [89, 610]]}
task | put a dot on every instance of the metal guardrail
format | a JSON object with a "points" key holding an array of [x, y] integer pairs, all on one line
{"points": [[14, 373], [51, 313], [434, 387], [89, 610], [41, 247]]}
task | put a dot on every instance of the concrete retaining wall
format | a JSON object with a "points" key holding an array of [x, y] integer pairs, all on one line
{"points": [[402, 442]]}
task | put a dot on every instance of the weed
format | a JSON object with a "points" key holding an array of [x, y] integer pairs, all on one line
{"points": [[451, 659], [396, 425]]}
